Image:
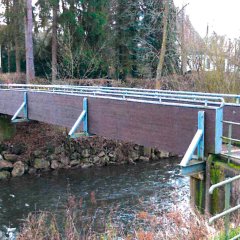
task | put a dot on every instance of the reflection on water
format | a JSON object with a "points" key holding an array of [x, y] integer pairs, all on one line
{"points": [[127, 189]]}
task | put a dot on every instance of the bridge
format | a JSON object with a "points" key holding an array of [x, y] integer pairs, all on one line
{"points": [[191, 124], [186, 123]]}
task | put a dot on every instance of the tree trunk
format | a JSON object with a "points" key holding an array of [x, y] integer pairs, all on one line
{"points": [[17, 56], [29, 42], [54, 42], [183, 46], [0, 58], [9, 57], [8, 35], [164, 44], [16, 37]]}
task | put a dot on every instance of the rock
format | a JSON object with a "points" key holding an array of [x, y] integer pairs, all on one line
{"points": [[4, 175], [134, 155], [74, 163], [10, 157], [32, 171], [58, 150], [147, 151], [5, 165], [55, 164], [130, 161], [18, 149], [144, 159], [37, 153], [105, 159], [164, 155], [96, 159], [86, 166], [1, 158], [86, 153], [101, 154], [40, 163], [64, 160], [76, 156], [154, 156], [18, 169], [112, 155], [53, 157]]}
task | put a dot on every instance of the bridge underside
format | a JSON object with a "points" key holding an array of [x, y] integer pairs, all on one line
{"points": [[169, 128]]}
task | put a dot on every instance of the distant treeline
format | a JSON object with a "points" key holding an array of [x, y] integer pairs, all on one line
{"points": [[90, 38]]}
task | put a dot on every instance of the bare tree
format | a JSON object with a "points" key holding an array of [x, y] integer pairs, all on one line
{"points": [[29, 42], [164, 44], [54, 41]]}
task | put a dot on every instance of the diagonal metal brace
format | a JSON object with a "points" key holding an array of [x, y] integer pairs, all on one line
{"points": [[196, 144], [24, 108], [83, 118]]}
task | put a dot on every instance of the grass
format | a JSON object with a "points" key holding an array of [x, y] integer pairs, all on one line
{"points": [[174, 224]]}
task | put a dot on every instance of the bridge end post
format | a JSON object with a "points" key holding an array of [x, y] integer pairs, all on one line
{"points": [[218, 130]]}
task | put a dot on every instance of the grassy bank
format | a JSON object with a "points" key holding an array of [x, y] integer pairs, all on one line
{"points": [[174, 224]]}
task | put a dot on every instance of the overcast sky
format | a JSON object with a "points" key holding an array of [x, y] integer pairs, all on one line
{"points": [[222, 16]]}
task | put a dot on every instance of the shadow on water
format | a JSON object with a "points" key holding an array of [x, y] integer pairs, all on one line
{"points": [[127, 189]]}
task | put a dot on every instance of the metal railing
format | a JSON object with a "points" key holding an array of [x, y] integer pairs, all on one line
{"points": [[230, 140], [227, 210], [137, 95]]}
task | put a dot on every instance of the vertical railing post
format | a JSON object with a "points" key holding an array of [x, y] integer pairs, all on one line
{"points": [[201, 142], [229, 146], [85, 121], [25, 111], [227, 206]]}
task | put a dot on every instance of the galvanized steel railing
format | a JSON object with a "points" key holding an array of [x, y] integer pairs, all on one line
{"points": [[129, 94], [229, 138], [227, 211]]}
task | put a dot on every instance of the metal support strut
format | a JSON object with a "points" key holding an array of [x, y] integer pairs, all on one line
{"points": [[82, 118], [24, 108], [196, 144]]}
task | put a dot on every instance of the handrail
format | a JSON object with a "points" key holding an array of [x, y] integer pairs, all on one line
{"points": [[209, 101], [229, 138], [233, 123], [217, 185], [132, 89], [228, 210]]}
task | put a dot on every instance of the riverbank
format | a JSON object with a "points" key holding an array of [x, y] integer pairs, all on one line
{"points": [[36, 148]]}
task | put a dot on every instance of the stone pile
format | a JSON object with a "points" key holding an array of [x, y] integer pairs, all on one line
{"points": [[84, 153]]}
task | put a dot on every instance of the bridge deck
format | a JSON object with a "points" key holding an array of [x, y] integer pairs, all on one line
{"points": [[164, 119]]}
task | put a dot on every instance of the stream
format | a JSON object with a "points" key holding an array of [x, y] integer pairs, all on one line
{"points": [[127, 189]]}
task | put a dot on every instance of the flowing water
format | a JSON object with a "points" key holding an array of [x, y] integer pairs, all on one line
{"points": [[127, 189]]}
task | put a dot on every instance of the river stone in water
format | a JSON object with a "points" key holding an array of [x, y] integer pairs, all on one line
{"points": [[144, 159], [18, 169], [74, 163], [134, 155], [40, 163], [5, 165], [4, 175], [55, 164]]}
